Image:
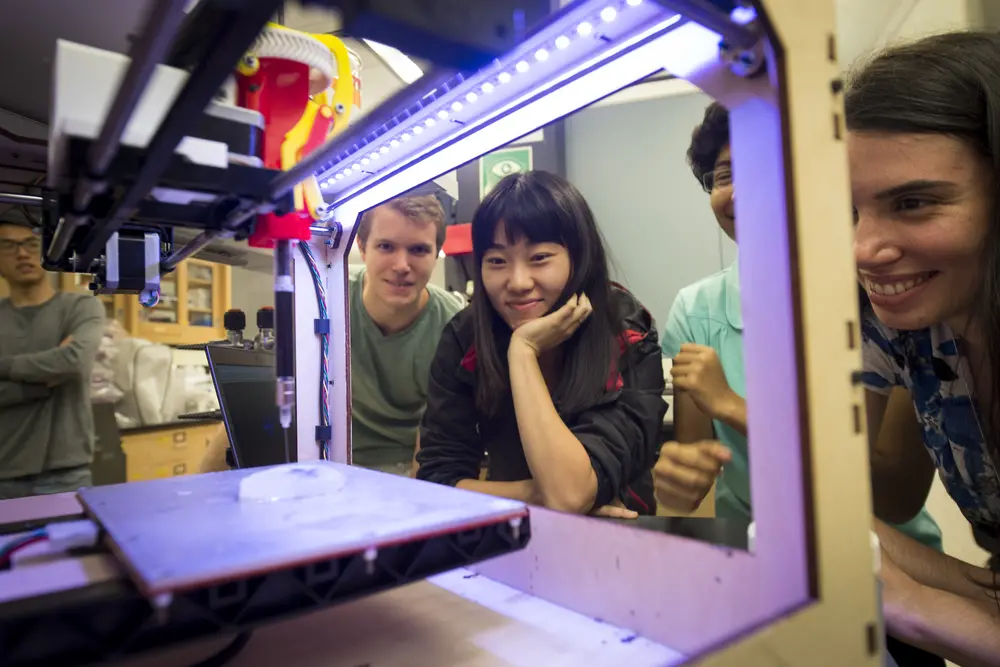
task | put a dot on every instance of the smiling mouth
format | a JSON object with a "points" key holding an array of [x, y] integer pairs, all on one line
{"points": [[895, 288], [524, 305], [395, 284]]}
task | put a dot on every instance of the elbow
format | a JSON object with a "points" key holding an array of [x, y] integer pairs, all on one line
{"points": [[568, 504], [432, 471], [424, 472], [896, 513], [894, 505], [896, 509], [573, 498]]}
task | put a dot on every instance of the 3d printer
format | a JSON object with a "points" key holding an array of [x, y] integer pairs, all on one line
{"points": [[147, 143]]}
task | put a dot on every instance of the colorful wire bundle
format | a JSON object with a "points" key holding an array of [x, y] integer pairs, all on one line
{"points": [[324, 392], [7, 549]]}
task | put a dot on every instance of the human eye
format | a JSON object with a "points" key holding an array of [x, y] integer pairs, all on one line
{"points": [[911, 204]]}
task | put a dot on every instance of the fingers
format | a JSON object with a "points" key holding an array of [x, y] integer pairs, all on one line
{"points": [[706, 456], [568, 308], [692, 353], [683, 382], [615, 512], [677, 499], [580, 314], [574, 313], [684, 473]]}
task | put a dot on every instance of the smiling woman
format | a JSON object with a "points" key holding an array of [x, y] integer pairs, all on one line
{"points": [[922, 204], [554, 370], [923, 123]]}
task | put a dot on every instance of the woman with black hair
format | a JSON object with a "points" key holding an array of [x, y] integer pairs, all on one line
{"points": [[924, 149], [553, 370]]}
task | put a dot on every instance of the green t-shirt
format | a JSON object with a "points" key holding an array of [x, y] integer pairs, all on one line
{"points": [[389, 375], [708, 313]]}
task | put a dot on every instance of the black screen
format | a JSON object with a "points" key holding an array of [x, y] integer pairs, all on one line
{"points": [[246, 391]]}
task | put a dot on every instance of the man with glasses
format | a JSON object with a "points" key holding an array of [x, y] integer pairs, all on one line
{"points": [[48, 341], [704, 336]]}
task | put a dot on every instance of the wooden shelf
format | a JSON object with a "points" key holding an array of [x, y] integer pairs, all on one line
{"points": [[189, 325]]}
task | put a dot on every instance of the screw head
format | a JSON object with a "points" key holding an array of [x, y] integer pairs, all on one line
{"points": [[149, 298]]}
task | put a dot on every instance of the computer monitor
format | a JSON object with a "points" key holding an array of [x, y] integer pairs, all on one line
{"points": [[246, 387]]}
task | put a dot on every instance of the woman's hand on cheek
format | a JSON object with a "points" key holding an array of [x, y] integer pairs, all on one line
{"points": [[550, 331]]}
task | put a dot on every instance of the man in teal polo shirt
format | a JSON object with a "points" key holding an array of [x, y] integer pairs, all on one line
{"points": [[704, 337]]}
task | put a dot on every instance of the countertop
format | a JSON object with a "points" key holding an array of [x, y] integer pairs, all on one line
{"points": [[166, 426]]}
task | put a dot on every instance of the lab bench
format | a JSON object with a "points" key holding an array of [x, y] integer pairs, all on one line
{"points": [[147, 452], [166, 450]]}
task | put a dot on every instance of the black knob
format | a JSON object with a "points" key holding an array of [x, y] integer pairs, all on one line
{"points": [[265, 318], [234, 320]]}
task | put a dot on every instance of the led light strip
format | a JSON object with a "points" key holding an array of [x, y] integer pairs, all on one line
{"points": [[548, 104], [371, 158]]}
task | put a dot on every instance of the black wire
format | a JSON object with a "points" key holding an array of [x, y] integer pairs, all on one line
{"points": [[230, 651]]}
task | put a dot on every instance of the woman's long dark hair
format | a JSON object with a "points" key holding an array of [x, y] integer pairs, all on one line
{"points": [[543, 208], [945, 84]]}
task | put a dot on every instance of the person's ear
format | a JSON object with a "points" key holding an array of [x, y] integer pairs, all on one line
{"points": [[361, 247]]}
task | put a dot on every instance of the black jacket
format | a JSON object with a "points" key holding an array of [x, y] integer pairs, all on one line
{"points": [[621, 432]]}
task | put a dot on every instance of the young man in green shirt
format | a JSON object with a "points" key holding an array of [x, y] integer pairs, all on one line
{"points": [[704, 337], [396, 322]]}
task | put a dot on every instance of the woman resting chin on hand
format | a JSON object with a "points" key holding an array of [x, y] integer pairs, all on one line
{"points": [[552, 369]]}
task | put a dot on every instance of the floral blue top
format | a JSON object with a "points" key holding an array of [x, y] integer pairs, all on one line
{"points": [[928, 364]]}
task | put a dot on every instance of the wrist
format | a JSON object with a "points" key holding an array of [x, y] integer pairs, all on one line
{"points": [[520, 349], [904, 615], [726, 408]]}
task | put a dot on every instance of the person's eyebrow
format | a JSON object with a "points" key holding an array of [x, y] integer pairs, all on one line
{"points": [[723, 163], [914, 187]]}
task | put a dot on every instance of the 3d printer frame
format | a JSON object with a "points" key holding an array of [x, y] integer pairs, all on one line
{"points": [[806, 595], [789, 601]]}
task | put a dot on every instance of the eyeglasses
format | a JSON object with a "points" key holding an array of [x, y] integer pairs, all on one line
{"points": [[721, 178], [31, 246]]}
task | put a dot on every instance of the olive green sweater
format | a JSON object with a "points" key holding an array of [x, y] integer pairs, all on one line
{"points": [[45, 415]]}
